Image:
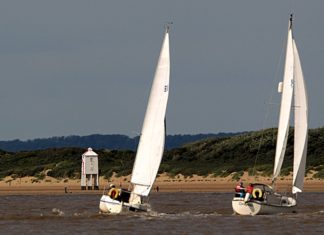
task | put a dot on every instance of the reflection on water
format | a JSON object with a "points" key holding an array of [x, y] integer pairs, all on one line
{"points": [[172, 213]]}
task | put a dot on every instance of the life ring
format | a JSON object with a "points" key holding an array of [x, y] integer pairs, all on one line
{"points": [[113, 193], [257, 193]]}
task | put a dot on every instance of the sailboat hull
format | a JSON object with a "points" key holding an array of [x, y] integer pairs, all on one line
{"points": [[111, 206], [108, 205], [262, 208]]}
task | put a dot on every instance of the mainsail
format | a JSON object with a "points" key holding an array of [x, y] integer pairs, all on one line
{"points": [[151, 144], [293, 83], [287, 94]]}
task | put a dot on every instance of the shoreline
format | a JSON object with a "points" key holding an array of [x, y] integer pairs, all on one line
{"points": [[199, 184]]}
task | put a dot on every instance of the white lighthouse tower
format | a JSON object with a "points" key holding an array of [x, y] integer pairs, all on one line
{"points": [[89, 170]]}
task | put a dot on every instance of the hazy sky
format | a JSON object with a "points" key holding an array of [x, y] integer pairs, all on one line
{"points": [[83, 67]]}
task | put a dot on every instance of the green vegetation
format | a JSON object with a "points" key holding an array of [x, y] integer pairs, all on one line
{"points": [[62, 163], [217, 156]]}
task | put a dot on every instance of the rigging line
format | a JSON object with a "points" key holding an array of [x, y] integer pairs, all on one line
{"points": [[267, 112]]}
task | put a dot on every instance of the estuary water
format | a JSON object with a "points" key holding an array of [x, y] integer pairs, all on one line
{"points": [[172, 213]]}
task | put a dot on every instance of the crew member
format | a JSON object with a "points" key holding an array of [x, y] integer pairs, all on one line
{"points": [[249, 191], [240, 190]]}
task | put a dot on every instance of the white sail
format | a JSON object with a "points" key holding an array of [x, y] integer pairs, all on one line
{"points": [[285, 108], [272, 202], [151, 144], [301, 125]]}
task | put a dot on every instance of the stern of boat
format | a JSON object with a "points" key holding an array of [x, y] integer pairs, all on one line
{"points": [[241, 207], [108, 205]]}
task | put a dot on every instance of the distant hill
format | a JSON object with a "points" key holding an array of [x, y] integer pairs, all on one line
{"points": [[220, 156], [117, 142], [252, 152]]}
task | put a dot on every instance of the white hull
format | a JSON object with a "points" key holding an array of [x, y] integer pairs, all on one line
{"points": [[111, 206], [108, 205], [261, 208]]}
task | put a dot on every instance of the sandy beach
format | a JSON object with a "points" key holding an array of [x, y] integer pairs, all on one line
{"points": [[179, 183]]}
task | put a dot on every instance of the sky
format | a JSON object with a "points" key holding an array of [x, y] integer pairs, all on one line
{"points": [[76, 67]]}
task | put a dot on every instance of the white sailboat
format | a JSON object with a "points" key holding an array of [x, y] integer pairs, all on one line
{"points": [[264, 198], [151, 144]]}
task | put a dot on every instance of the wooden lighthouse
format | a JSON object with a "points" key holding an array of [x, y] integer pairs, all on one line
{"points": [[89, 171]]}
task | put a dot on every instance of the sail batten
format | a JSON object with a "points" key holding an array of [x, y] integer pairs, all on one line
{"points": [[151, 144]]}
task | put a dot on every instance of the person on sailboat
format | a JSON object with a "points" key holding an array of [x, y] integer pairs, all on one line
{"points": [[249, 191], [114, 192], [240, 190]]}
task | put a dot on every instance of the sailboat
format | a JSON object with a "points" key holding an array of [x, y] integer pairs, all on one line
{"points": [[265, 200], [151, 144]]}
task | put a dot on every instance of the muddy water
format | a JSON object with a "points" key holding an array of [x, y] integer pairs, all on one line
{"points": [[172, 213]]}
